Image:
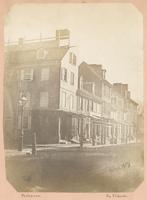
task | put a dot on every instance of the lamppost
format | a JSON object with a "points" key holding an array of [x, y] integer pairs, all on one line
{"points": [[22, 101]]}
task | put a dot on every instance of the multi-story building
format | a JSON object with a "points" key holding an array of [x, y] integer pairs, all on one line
{"points": [[89, 99], [124, 112], [46, 73], [94, 102], [64, 101]]}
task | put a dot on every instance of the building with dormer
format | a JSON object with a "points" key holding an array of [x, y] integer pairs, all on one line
{"points": [[45, 71]]}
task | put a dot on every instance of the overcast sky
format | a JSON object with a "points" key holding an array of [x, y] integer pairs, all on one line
{"points": [[107, 34]]}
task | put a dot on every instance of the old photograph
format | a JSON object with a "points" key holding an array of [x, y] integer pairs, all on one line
{"points": [[73, 97]]}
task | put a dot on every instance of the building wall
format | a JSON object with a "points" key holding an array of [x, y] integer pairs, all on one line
{"points": [[68, 87]]}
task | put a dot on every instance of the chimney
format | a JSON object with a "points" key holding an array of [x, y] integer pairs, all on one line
{"points": [[62, 34], [63, 37]]}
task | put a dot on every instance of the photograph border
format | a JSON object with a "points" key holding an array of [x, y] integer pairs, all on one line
{"points": [[7, 192]]}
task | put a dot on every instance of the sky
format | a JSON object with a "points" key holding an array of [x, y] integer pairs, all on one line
{"points": [[110, 34]]}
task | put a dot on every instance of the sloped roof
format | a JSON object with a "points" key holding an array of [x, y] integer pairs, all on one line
{"points": [[91, 67], [27, 51]]}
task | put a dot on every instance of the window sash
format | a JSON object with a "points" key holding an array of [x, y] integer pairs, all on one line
{"points": [[64, 74]]}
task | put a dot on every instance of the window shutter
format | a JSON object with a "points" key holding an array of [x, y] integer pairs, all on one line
{"points": [[26, 74]]}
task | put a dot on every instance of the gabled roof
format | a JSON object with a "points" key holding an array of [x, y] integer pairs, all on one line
{"points": [[91, 67]]}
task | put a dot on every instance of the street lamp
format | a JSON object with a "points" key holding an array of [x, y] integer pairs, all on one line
{"points": [[22, 101]]}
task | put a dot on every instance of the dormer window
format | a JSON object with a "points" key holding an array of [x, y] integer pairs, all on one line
{"points": [[41, 53]]}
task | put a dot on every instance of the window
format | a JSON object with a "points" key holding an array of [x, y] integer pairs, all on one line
{"points": [[86, 104], [72, 78], [90, 105], [78, 102], [26, 74], [98, 108], [43, 99], [44, 74], [87, 108], [94, 107], [64, 74], [63, 99], [71, 102], [84, 100], [81, 103], [72, 58], [81, 82]]}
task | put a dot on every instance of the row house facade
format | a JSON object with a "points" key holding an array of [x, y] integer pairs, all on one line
{"points": [[46, 73], [124, 114], [66, 101]]}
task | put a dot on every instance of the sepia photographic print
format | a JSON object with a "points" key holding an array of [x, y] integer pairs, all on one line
{"points": [[73, 109]]}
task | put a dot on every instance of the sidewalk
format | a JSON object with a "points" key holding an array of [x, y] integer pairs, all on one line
{"points": [[57, 147]]}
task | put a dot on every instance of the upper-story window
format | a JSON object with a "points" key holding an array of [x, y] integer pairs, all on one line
{"points": [[44, 74], [81, 82], [26, 74], [63, 99], [94, 107], [64, 74], [98, 108], [72, 77], [81, 103], [44, 99], [72, 58], [90, 105], [71, 104]]}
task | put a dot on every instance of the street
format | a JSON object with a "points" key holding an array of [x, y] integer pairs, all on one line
{"points": [[106, 169]]}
